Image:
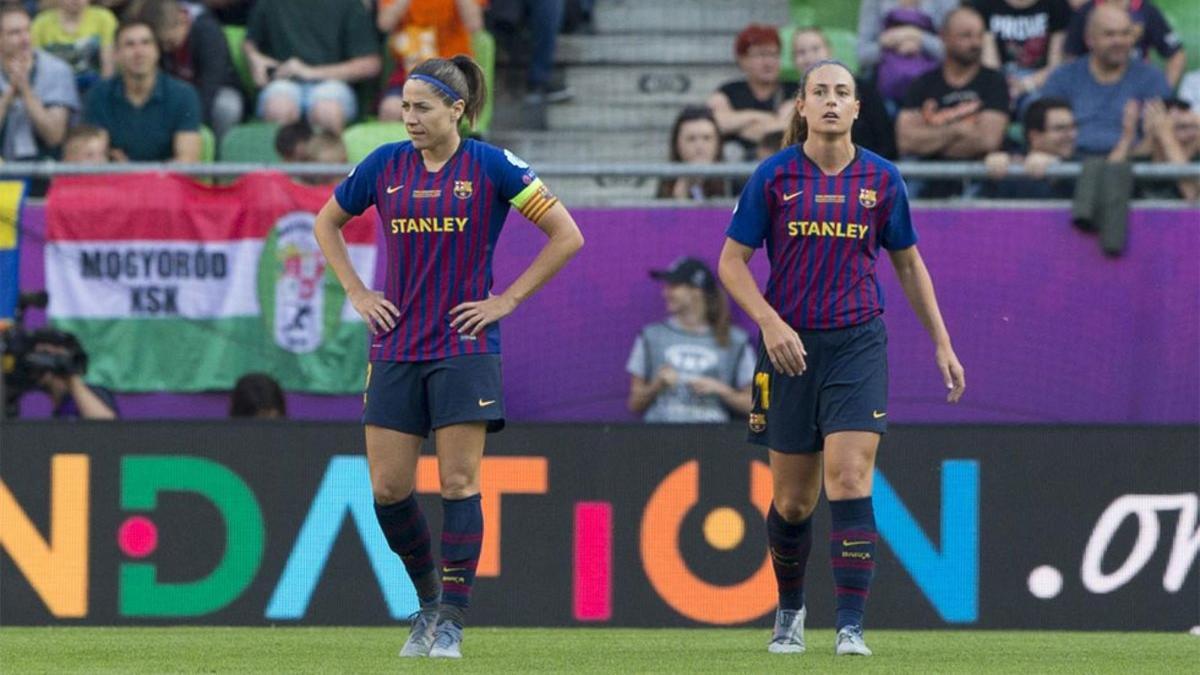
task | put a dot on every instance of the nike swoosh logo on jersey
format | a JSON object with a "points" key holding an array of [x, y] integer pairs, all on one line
{"points": [[484, 404], [790, 197], [847, 542], [393, 189]]}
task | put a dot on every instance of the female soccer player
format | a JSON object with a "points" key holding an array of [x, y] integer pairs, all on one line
{"points": [[824, 208], [435, 351]]}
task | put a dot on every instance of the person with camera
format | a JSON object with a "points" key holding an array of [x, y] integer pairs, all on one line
{"points": [[58, 363]]}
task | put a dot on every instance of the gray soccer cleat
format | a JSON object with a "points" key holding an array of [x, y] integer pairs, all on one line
{"points": [[447, 641], [788, 636], [850, 642], [420, 636]]}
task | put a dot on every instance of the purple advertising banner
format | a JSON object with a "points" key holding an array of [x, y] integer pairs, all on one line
{"points": [[1048, 329]]}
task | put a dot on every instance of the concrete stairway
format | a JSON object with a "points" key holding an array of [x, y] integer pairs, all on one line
{"points": [[647, 59]]}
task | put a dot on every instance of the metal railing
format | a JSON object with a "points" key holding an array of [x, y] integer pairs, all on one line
{"points": [[923, 170]]}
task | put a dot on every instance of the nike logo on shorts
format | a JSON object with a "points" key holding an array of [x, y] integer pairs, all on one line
{"points": [[878, 415], [484, 404]]}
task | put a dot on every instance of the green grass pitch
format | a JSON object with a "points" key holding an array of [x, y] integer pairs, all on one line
{"points": [[581, 650]]}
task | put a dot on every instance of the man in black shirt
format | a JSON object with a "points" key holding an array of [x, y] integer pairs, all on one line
{"points": [[958, 111], [1050, 136]]}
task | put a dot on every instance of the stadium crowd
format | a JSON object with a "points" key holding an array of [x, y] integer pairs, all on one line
{"points": [[1005, 82], [167, 80]]}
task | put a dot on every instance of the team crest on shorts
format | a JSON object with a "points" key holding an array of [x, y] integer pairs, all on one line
{"points": [[867, 198], [758, 422], [463, 189]]}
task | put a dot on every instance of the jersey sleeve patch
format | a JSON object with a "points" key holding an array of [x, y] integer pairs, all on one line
{"points": [[535, 201]]}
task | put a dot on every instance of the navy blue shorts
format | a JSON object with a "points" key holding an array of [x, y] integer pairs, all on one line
{"points": [[844, 389], [414, 397]]}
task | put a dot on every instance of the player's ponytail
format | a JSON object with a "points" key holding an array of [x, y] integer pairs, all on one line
{"points": [[459, 78], [797, 129], [476, 86]]}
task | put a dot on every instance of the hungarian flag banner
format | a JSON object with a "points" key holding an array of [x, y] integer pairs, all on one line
{"points": [[172, 285]]}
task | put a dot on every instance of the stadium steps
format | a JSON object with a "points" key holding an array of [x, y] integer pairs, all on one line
{"points": [[556, 147], [701, 16], [646, 61], [673, 84]]}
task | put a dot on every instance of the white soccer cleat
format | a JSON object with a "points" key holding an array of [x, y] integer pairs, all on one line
{"points": [[788, 636], [850, 642], [420, 636], [447, 641]]}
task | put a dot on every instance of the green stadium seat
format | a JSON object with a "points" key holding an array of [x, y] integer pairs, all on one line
{"points": [[208, 145], [362, 138], [235, 36], [250, 142], [484, 46]]}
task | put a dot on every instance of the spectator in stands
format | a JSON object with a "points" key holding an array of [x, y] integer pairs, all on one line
{"points": [[305, 54], [418, 30], [81, 35], [694, 366], [291, 141], [759, 104], [114, 6], [1172, 135], [1050, 135], [695, 140], [150, 116], [195, 50], [1151, 31], [1100, 86], [897, 42], [325, 148], [1024, 40], [230, 12], [532, 26], [958, 111], [86, 144], [257, 395], [37, 92], [873, 128]]}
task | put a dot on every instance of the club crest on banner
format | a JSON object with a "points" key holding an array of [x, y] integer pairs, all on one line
{"points": [[299, 312]]}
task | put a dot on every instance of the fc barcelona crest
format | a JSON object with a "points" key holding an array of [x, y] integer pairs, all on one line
{"points": [[463, 189], [758, 422], [867, 198]]}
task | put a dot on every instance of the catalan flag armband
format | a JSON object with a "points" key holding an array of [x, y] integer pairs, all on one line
{"points": [[535, 200]]}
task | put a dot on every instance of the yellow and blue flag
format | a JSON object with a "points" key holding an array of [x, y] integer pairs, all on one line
{"points": [[11, 193]]}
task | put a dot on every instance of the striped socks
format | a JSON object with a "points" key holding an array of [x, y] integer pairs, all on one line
{"points": [[407, 535], [852, 554], [789, 545], [462, 539]]}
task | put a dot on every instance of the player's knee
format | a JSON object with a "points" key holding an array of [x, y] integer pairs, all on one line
{"points": [[459, 486], [849, 482], [388, 489], [796, 507]]}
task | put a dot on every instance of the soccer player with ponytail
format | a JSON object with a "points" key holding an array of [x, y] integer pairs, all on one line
{"points": [[435, 347], [824, 207]]}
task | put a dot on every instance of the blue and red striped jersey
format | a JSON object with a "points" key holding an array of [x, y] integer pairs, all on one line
{"points": [[441, 230], [823, 234]]}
